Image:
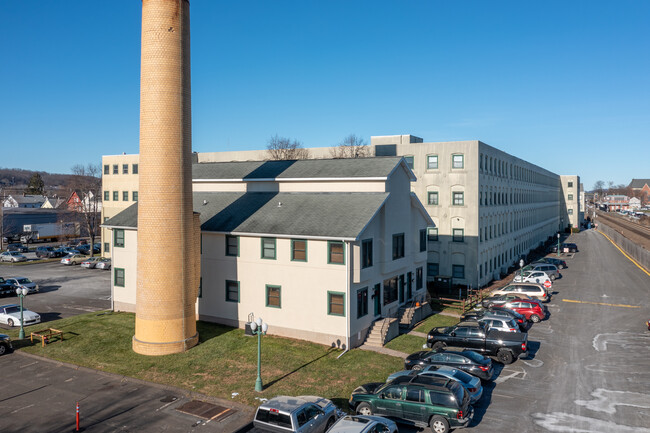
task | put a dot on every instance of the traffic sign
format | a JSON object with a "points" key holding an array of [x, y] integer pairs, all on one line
{"points": [[547, 284]]}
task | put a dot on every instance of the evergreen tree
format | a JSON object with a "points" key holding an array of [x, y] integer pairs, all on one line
{"points": [[36, 185]]}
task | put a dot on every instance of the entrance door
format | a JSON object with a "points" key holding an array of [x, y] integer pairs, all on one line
{"points": [[401, 289], [376, 294], [409, 285]]}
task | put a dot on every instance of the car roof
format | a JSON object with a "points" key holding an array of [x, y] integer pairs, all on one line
{"points": [[358, 423], [425, 381], [287, 403], [10, 305]]}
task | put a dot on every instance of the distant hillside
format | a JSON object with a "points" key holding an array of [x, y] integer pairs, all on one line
{"points": [[15, 180]]}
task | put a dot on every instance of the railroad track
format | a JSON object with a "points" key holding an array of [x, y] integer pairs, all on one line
{"points": [[625, 224]]}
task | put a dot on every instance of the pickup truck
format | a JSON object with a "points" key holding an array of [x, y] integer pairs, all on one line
{"points": [[476, 336]]}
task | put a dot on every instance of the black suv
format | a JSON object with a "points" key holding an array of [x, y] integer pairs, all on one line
{"points": [[17, 247], [48, 252], [5, 344], [423, 401], [6, 289]]}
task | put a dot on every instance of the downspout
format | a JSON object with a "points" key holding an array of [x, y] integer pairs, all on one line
{"points": [[349, 296], [113, 273]]}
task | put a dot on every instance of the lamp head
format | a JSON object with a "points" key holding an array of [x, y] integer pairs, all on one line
{"points": [[265, 327], [259, 321], [521, 262], [18, 291], [253, 326], [24, 290]]}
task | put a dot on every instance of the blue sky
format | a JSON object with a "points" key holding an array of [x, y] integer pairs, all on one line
{"points": [[562, 84]]}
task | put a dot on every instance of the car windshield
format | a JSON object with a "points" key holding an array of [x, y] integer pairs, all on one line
{"points": [[526, 274], [462, 376], [15, 253], [476, 357], [9, 310], [23, 280]]}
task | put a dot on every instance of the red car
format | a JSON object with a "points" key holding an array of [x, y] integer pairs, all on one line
{"points": [[531, 309]]}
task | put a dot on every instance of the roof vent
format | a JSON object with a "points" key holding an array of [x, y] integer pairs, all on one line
{"points": [[205, 202]]}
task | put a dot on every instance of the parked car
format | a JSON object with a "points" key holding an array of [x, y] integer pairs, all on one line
{"points": [[438, 403], [45, 252], [103, 263], [83, 249], [538, 277], [531, 310], [504, 313], [549, 269], [308, 414], [17, 247], [73, 259], [363, 424], [69, 250], [12, 256], [472, 384], [5, 344], [506, 346], [97, 248], [499, 323], [568, 247], [7, 289], [90, 262], [10, 315], [467, 361], [532, 290], [501, 299], [561, 264], [23, 283]]}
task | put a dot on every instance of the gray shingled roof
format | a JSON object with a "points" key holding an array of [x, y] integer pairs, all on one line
{"points": [[638, 183], [298, 169], [330, 215]]}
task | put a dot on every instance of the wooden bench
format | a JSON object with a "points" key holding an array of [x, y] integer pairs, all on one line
{"points": [[46, 335]]}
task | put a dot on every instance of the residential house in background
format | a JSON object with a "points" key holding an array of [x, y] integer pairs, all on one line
{"points": [[641, 186], [615, 202], [52, 202], [321, 249], [24, 201]]}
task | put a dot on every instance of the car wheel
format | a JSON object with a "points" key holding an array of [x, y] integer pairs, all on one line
{"points": [[10, 322], [438, 424], [364, 409], [535, 318], [330, 423], [3, 349], [552, 277], [505, 356], [438, 345], [417, 367]]}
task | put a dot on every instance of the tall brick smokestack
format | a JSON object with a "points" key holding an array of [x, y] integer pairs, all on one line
{"points": [[167, 280]]}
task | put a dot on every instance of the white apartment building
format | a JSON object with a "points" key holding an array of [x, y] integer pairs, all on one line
{"points": [[319, 248]]}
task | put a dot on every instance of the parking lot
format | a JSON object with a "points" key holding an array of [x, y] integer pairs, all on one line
{"points": [[588, 369], [64, 290]]}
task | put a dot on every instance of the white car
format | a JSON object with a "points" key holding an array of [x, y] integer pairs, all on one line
{"points": [[12, 256], [23, 283], [10, 315], [538, 277], [103, 264], [363, 424]]}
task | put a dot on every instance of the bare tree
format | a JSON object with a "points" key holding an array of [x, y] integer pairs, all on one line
{"points": [[599, 186], [281, 148], [87, 182], [352, 146]]}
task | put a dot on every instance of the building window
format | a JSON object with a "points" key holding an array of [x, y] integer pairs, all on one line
{"points": [[366, 253], [116, 195], [419, 278], [457, 161], [432, 162], [336, 303], [459, 198], [423, 240], [570, 184], [458, 235], [458, 271], [432, 198], [115, 171], [409, 161], [570, 211], [432, 234], [118, 238], [107, 195], [125, 168], [107, 169], [335, 253], [232, 291], [107, 247], [268, 248], [135, 195], [433, 269], [298, 250], [232, 246], [362, 302], [273, 296], [570, 197], [390, 290], [134, 169], [125, 196], [398, 246], [119, 277]]}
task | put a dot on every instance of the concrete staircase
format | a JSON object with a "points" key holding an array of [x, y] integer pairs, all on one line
{"points": [[377, 334], [406, 315]]}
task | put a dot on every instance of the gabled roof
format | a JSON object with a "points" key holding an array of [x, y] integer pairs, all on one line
{"points": [[639, 183], [334, 215], [29, 199], [304, 169]]}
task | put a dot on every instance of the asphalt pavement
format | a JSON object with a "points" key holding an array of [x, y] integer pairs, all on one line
{"points": [[588, 369]]}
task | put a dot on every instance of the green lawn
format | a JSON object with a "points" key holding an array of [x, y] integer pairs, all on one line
{"points": [[406, 343], [224, 362], [436, 320]]}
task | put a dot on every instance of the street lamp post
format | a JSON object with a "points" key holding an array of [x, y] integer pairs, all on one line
{"points": [[521, 269], [558, 245], [21, 292], [259, 327]]}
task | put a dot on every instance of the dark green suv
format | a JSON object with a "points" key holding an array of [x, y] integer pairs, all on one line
{"points": [[437, 402]]}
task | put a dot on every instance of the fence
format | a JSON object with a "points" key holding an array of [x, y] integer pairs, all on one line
{"points": [[637, 252]]}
